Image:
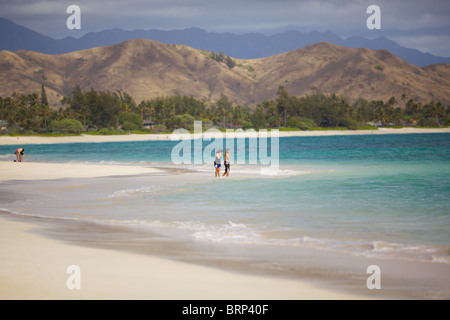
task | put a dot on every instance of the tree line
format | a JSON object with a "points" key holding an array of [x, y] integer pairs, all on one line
{"points": [[114, 112]]}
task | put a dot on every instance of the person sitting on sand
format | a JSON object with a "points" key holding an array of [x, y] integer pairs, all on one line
{"points": [[217, 163], [226, 163], [19, 154]]}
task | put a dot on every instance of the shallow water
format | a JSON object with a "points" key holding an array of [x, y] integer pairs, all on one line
{"points": [[378, 197]]}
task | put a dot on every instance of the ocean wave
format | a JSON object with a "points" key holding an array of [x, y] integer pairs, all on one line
{"points": [[227, 232], [386, 249], [390, 247], [126, 193], [280, 172], [230, 232], [252, 170], [241, 233], [39, 216], [441, 259]]}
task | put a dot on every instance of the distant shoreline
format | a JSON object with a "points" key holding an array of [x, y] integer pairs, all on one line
{"points": [[24, 140]]}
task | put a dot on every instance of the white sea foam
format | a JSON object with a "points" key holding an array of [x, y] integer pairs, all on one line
{"points": [[240, 233], [280, 172], [384, 247], [230, 232], [441, 259], [147, 190], [252, 170]]}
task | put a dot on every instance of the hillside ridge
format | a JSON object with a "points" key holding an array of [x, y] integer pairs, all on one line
{"points": [[146, 69]]}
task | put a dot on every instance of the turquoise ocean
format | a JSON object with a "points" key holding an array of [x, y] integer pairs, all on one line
{"points": [[382, 196]]}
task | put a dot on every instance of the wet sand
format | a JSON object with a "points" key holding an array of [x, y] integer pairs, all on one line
{"points": [[119, 264], [33, 266]]}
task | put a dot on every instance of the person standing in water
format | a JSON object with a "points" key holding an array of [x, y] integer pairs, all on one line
{"points": [[19, 154], [217, 163], [226, 163]]}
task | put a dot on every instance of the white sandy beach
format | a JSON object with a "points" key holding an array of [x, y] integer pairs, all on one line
{"points": [[38, 171], [34, 267], [24, 140]]}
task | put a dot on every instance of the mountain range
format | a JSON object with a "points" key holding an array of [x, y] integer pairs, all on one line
{"points": [[146, 69], [14, 37]]}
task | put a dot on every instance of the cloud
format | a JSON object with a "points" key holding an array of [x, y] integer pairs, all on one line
{"points": [[401, 18], [417, 16], [435, 44]]}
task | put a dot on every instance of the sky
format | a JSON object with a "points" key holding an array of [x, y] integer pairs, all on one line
{"points": [[423, 25]]}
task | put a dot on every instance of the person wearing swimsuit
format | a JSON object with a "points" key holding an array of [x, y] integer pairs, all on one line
{"points": [[226, 163], [217, 163], [19, 154]]}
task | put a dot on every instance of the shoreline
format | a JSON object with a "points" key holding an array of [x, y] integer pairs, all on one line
{"points": [[24, 140], [33, 264], [29, 244], [51, 171], [35, 267], [133, 272]]}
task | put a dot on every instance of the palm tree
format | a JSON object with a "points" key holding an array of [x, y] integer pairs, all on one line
{"points": [[282, 102], [225, 108]]}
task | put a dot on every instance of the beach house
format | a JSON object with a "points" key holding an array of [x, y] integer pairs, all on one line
{"points": [[3, 127]]}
